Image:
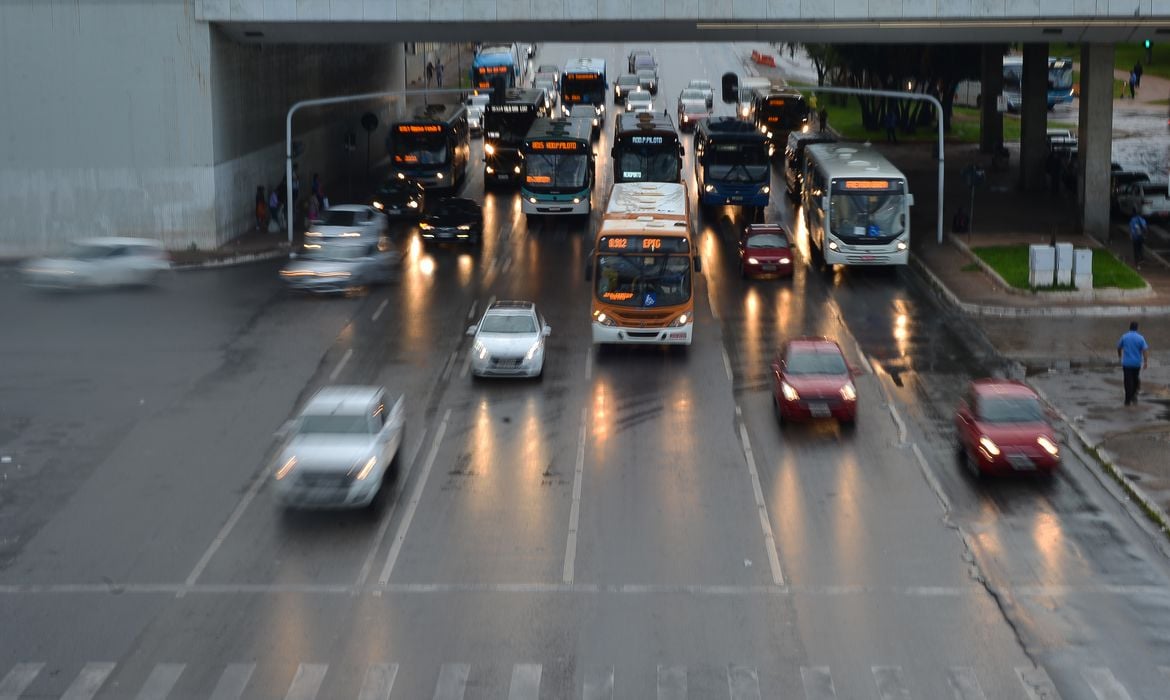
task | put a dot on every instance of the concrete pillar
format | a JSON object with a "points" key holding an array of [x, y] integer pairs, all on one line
{"points": [[991, 87], [1033, 117], [397, 79], [1095, 138]]}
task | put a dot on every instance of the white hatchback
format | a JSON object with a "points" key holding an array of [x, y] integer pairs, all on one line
{"points": [[509, 341], [349, 221], [100, 262]]}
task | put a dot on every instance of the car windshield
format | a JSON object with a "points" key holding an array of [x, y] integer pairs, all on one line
{"points": [[89, 251], [339, 217], [1013, 409], [334, 424], [767, 240], [628, 80], [693, 95], [815, 362], [420, 149], [507, 323], [644, 281]]}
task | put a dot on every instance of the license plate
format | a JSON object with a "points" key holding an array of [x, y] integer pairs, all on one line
{"points": [[737, 199], [768, 268], [678, 336], [868, 257], [1021, 462], [818, 410]]}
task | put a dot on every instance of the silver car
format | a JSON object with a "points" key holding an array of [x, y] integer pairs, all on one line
{"points": [[349, 221], [340, 448], [509, 341], [639, 101], [705, 87], [337, 267], [100, 262], [648, 80], [475, 105]]}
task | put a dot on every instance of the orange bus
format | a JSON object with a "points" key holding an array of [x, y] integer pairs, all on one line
{"points": [[643, 266]]}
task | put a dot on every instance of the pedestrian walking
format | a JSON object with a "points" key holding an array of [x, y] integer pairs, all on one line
{"points": [[1137, 71], [261, 205], [439, 74], [823, 118], [1137, 235], [891, 123], [1134, 353], [1133, 85], [312, 210], [430, 72], [274, 216], [296, 190]]}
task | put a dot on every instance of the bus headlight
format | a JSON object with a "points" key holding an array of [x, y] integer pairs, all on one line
{"points": [[600, 317], [401, 176], [686, 119], [832, 245], [413, 204], [766, 189], [708, 188], [763, 129], [532, 200], [769, 134], [595, 121], [901, 245], [680, 321], [489, 149], [464, 227], [516, 169], [576, 200], [788, 392], [439, 175]]}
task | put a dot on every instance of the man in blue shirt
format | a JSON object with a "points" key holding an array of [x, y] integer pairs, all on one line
{"points": [[1135, 354], [1137, 235]]}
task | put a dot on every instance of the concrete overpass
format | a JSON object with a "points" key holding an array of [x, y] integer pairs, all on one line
{"points": [[160, 117]]}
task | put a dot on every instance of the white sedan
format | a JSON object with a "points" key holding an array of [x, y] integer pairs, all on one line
{"points": [[509, 341], [639, 101], [100, 262], [357, 221]]}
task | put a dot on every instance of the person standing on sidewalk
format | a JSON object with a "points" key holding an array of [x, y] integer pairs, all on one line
{"points": [[823, 118], [1133, 79], [261, 206], [1134, 353], [1137, 71], [1137, 233]]}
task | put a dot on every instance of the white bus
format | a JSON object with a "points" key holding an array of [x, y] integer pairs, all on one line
{"points": [[856, 205]]}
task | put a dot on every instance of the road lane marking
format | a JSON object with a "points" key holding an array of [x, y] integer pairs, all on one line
{"points": [[898, 422], [368, 564], [89, 681], [18, 679], [379, 682], [307, 682], [726, 363], [889, 683], [1036, 683], [931, 479], [466, 363], [818, 683], [865, 361], [452, 682], [525, 682], [341, 365], [471, 311], [381, 308], [965, 684], [233, 681], [507, 264], [161, 681], [450, 364], [598, 684], [575, 509], [412, 506], [743, 683], [589, 363], [1105, 686], [761, 506], [258, 481]]}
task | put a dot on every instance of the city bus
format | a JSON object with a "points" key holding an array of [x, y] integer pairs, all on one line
{"points": [[643, 265], [856, 205], [432, 147], [731, 163], [497, 60], [778, 111], [558, 167], [1060, 84], [505, 126], [646, 148], [583, 81]]}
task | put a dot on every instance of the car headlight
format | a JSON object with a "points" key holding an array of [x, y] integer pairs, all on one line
{"points": [[425, 226], [708, 188], [763, 129], [600, 109], [532, 200], [788, 392], [533, 350], [849, 392], [489, 149], [753, 261], [413, 204], [378, 206], [480, 350], [1049, 446], [988, 446], [489, 169], [686, 118], [617, 91], [603, 319], [464, 227], [594, 122], [516, 169], [766, 189], [769, 134], [744, 111], [401, 176], [439, 175], [313, 234], [366, 468], [680, 321], [351, 234], [785, 261], [286, 468]]}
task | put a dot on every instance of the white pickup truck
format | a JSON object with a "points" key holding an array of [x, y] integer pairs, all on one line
{"points": [[340, 449]]}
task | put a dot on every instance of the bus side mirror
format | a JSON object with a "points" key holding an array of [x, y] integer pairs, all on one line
{"points": [[681, 151], [910, 200], [730, 88], [698, 264]]}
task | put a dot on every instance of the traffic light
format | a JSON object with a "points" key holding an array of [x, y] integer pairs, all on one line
{"points": [[1149, 52], [730, 88], [1147, 44]]}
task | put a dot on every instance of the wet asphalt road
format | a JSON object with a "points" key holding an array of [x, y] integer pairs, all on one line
{"points": [[634, 526]]}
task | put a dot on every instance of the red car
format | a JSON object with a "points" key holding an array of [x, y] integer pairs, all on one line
{"points": [[810, 379], [1002, 427], [765, 249]]}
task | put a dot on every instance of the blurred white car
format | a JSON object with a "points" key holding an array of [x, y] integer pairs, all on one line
{"points": [[337, 267], [357, 221], [550, 90], [639, 101], [340, 448], [475, 104], [100, 262], [705, 87], [509, 341], [692, 109]]}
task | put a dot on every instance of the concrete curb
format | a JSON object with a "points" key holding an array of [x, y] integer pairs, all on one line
{"points": [[234, 260]]}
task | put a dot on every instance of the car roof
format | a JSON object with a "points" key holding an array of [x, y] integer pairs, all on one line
{"points": [[512, 305], [700, 81], [628, 75], [816, 344], [342, 399], [753, 229], [1001, 387]]}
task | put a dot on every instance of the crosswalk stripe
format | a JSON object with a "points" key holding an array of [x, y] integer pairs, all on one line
{"points": [[233, 681], [1037, 684], [889, 683], [161, 680], [672, 683], [965, 684], [598, 684], [20, 677], [307, 682], [379, 682], [743, 683], [1105, 686], [452, 681], [818, 683], [87, 683], [525, 682]]}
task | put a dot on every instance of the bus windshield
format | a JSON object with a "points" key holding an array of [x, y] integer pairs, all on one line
{"points": [[556, 172], [648, 163], [507, 128], [583, 88], [644, 281], [736, 162], [420, 149], [867, 217]]}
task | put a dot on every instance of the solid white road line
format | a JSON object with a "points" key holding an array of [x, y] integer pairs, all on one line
{"points": [[307, 682], [1036, 683], [598, 684], [341, 365], [898, 422], [672, 683], [589, 363], [450, 364], [818, 683], [931, 479], [965, 684], [889, 683], [253, 489], [865, 361], [1105, 686], [379, 682], [161, 680], [726, 363], [368, 564], [471, 311], [452, 682], [20, 677], [575, 509], [412, 506], [381, 308], [233, 681], [743, 683], [89, 681], [761, 506], [525, 682]]}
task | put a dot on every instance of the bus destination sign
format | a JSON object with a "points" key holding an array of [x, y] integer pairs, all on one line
{"points": [[493, 70], [419, 128], [508, 109], [776, 102], [645, 244], [870, 185], [572, 77], [560, 146], [646, 139]]}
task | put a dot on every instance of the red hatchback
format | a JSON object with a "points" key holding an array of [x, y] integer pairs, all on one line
{"points": [[765, 250], [810, 379], [1001, 427]]}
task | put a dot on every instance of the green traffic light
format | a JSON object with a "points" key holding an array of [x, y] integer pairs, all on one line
{"points": [[1147, 43]]}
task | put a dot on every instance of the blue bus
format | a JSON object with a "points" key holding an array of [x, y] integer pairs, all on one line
{"points": [[583, 82], [498, 60], [432, 147], [731, 163], [558, 167]]}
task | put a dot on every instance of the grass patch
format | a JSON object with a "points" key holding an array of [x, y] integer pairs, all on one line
{"points": [[1011, 262]]}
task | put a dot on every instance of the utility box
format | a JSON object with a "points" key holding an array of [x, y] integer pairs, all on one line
{"points": [[1064, 264], [1041, 265], [1083, 268]]}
